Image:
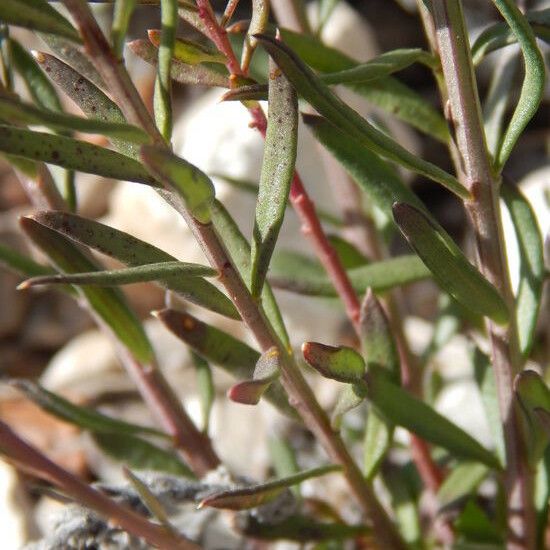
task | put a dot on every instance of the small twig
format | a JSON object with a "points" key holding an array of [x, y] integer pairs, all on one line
{"points": [[35, 463], [483, 210]]}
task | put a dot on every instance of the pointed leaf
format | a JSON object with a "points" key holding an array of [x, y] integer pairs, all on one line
{"points": [[83, 417], [239, 251], [377, 442], [463, 480], [191, 184], [379, 180], [401, 408], [36, 15], [116, 277], [298, 273], [140, 454], [338, 363], [25, 113], [86, 95], [347, 120], [181, 72], [107, 303], [450, 268], [71, 153], [187, 51], [277, 173], [485, 379], [252, 497], [205, 387], [532, 89], [218, 347], [134, 252], [532, 270], [350, 397]]}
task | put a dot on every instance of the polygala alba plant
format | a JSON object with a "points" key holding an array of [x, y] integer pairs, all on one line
{"points": [[423, 481]]}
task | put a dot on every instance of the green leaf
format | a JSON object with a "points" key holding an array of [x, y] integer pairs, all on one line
{"points": [[474, 525], [191, 184], [379, 180], [189, 52], [36, 15], [256, 495], [239, 251], [500, 34], [25, 113], [130, 275], [401, 408], [162, 99], [338, 363], [350, 397], [266, 371], [71, 153], [140, 454], [462, 482], [22, 264], [532, 89], [534, 395], [450, 268], [315, 92], [220, 348], [107, 303], [258, 24], [37, 84], [542, 496], [380, 66], [181, 72], [277, 173], [205, 387], [83, 417], [387, 93], [135, 252], [86, 95], [348, 254], [297, 273], [380, 351], [122, 13], [532, 269], [485, 379]]}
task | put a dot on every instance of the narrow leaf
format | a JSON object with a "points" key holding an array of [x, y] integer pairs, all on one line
{"points": [[532, 270], [83, 417], [401, 408], [25, 113], [379, 180], [338, 363], [205, 387], [450, 268], [239, 251], [461, 483], [220, 348], [347, 120], [116, 277], [252, 497], [135, 252], [297, 273], [191, 184], [350, 397], [377, 441], [181, 72], [107, 303], [187, 51], [162, 99], [22, 264], [277, 172], [71, 153], [122, 14], [37, 15], [140, 454], [532, 89]]}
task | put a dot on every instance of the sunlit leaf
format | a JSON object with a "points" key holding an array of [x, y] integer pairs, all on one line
{"points": [[450, 268], [532, 270], [338, 363], [107, 303], [140, 454], [189, 52], [71, 153], [462, 482], [256, 495], [277, 172], [37, 15], [193, 186], [135, 252], [532, 89], [83, 417]]}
